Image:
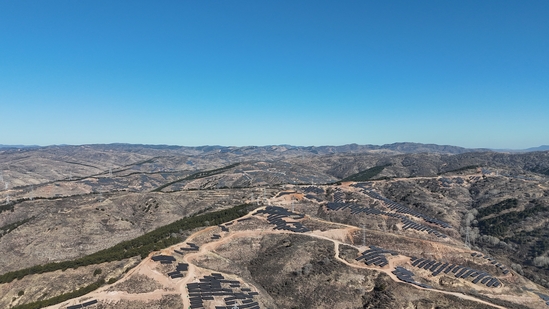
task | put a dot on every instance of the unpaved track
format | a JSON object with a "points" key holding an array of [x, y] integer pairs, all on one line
{"points": [[178, 286], [387, 269]]}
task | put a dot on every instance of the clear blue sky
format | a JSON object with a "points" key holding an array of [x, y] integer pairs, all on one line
{"points": [[465, 73]]}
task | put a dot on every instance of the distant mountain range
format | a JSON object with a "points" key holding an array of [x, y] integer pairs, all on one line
{"points": [[540, 148], [403, 147], [18, 146]]}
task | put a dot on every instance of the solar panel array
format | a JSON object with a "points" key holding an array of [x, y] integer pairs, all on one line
{"points": [[163, 259], [408, 224], [460, 272], [191, 247], [166, 259], [83, 305], [405, 275], [181, 267], [403, 209], [544, 297], [313, 189], [277, 214], [492, 261], [375, 256], [313, 198], [339, 197], [216, 286]]}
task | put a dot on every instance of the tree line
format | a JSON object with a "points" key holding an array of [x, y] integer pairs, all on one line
{"points": [[143, 245], [198, 175], [63, 297]]}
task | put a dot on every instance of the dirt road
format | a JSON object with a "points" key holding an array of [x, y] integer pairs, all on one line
{"points": [[178, 286]]}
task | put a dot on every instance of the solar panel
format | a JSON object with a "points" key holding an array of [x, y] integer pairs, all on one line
{"points": [[89, 303], [428, 265], [417, 261], [441, 268], [466, 274], [461, 272], [435, 266], [457, 268], [161, 258], [490, 282], [478, 278]]}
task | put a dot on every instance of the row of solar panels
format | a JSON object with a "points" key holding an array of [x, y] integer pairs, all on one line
{"points": [[247, 303], [313, 198], [313, 189], [83, 305], [409, 224], [163, 259], [405, 275], [492, 261], [405, 210], [167, 259], [281, 224], [339, 197], [544, 297], [461, 272], [356, 209], [375, 256], [210, 287], [277, 214], [276, 210], [191, 247], [180, 268]]}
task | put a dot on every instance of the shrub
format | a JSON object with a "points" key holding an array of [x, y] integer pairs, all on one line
{"points": [[98, 271], [517, 268], [541, 261]]}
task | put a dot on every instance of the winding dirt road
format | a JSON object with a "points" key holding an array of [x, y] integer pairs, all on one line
{"points": [[178, 286]]}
